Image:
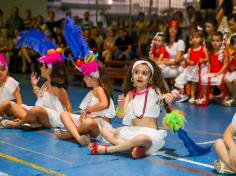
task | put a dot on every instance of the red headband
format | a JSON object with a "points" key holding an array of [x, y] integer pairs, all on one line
{"points": [[173, 23]]}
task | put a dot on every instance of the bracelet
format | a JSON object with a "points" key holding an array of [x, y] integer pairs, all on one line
{"points": [[118, 112], [35, 89]]}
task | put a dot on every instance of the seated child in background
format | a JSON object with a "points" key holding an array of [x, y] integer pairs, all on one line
{"points": [[196, 65], [230, 77], [158, 51], [218, 63], [9, 89]]}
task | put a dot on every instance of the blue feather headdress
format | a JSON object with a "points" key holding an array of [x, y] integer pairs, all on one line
{"points": [[38, 41], [85, 59]]}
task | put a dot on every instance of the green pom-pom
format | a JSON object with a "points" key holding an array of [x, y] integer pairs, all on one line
{"points": [[174, 120]]}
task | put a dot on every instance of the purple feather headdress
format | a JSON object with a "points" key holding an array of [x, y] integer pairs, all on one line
{"points": [[3, 62], [85, 59]]}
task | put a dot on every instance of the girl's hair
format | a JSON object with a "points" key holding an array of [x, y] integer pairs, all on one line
{"points": [[157, 79], [105, 82], [59, 76], [178, 35]]}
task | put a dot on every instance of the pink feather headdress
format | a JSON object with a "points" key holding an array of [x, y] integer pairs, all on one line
{"points": [[3, 62], [88, 66], [53, 56]]}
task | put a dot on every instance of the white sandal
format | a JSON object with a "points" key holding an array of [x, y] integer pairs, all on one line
{"points": [[221, 168], [3, 123]]}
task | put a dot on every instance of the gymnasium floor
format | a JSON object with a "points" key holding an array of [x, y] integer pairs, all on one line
{"points": [[30, 153]]}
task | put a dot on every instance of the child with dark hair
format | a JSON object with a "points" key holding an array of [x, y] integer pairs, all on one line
{"points": [[196, 61], [158, 51], [175, 46], [97, 107], [218, 63], [140, 106], [210, 27], [52, 97]]}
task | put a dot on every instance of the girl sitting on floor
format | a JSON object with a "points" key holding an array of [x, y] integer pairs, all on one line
{"points": [[97, 107], [9, 89], [52, 97], [226, 150], [140, 108]]}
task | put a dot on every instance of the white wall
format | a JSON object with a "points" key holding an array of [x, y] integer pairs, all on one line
{"points": [[38, 7]]}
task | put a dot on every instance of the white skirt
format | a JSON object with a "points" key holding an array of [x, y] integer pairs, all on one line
{"points": [[101, 124], [53, 116], [215, 80], [170, 71], [157, 136], [230, 76], [190, 73]]}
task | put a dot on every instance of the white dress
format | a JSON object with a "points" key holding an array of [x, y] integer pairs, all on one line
{"points": [[8, 88], [230, 76], [135, 108], [171, 71], [190, 73], [52, 105], [90, 100]]}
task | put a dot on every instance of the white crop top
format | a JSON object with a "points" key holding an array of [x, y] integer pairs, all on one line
{"points": [[135, 107]]}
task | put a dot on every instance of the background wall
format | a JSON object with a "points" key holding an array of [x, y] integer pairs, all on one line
{"points": [[38, 7]]}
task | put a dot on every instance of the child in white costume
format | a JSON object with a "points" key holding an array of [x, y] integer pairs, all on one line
{"points": [[226, 150], [97, 108], [52, 97], [9, 89], [140, 108]]}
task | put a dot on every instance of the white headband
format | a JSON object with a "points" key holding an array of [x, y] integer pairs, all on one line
{"points": [[143, 62]]}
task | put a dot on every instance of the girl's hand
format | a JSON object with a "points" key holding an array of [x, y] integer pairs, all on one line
{"points": [[83, 116], [168, 97], [34, 79], [121, 100], [232, 156], [84, 140]]}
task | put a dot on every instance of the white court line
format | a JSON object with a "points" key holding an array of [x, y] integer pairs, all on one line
{"points": [[208, 142], [3, 174], [162, 153]]}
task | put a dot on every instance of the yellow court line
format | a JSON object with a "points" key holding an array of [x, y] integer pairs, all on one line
{"points": [[51, 172], [28, 150]]}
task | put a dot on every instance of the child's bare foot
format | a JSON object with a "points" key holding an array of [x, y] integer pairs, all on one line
{"points": [[62, 134]]}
